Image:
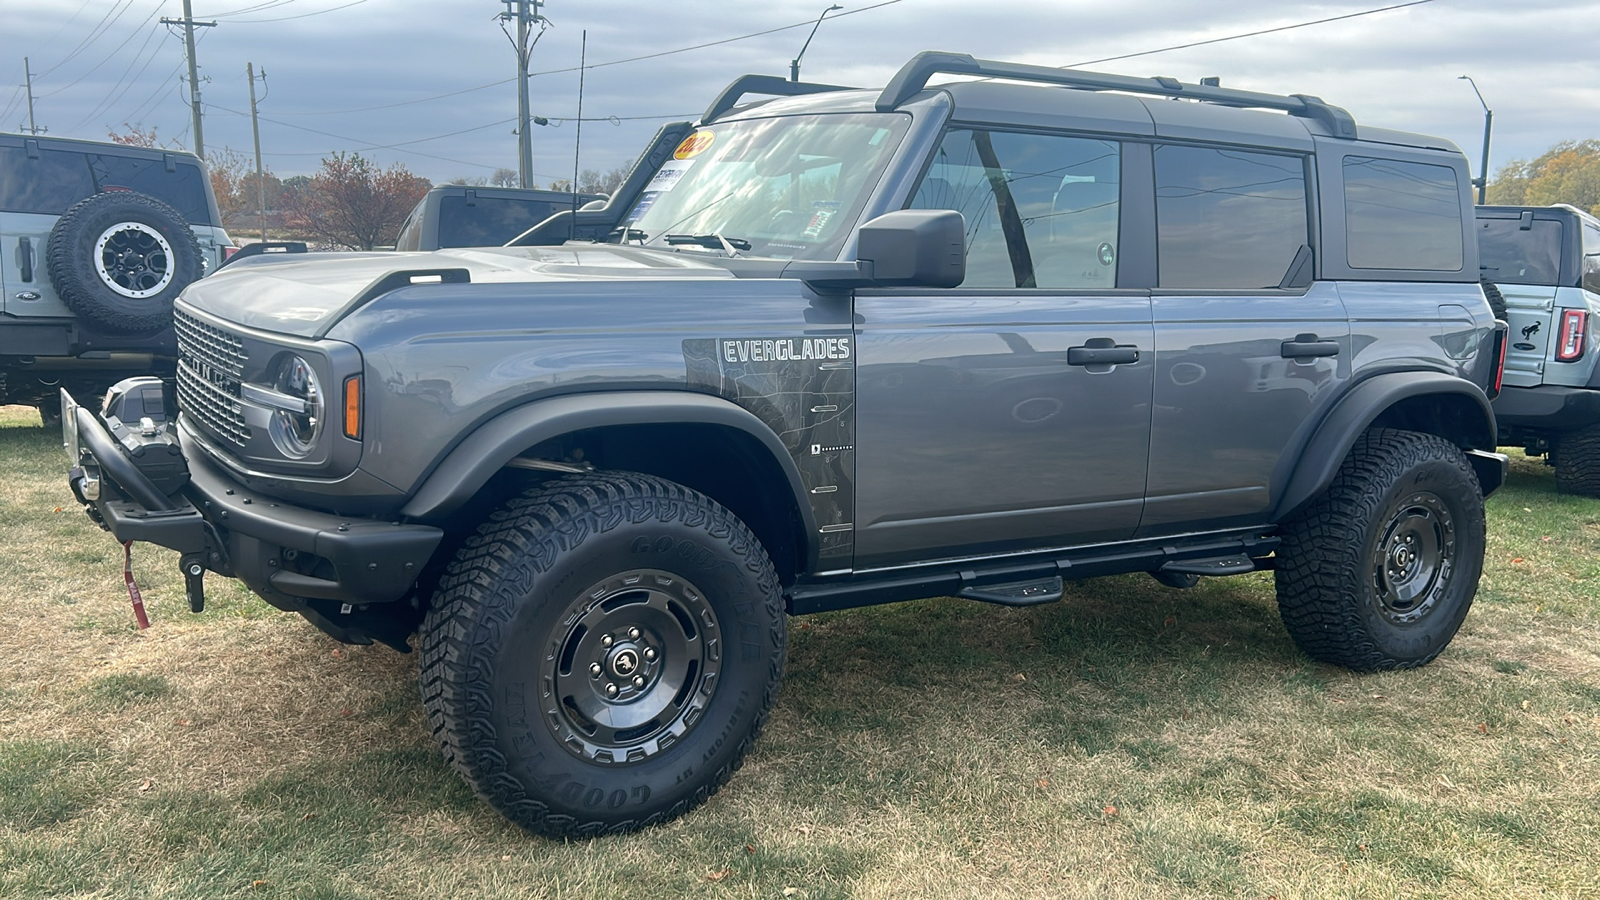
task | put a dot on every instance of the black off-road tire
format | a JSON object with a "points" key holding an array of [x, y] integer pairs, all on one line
{"points": [[1577, 460], [1379, 571], [658, 587], [1497, 300], [119, 259]]}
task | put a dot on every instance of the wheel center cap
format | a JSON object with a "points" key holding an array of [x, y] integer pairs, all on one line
{"points": [[625, 662]]}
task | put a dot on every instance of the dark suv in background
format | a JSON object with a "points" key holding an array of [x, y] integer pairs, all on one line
{"points": [[836, 348], [96, 240], [453, 215]]}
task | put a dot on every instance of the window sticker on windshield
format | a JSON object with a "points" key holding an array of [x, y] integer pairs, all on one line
{"points": [[640, 208], [667, 178], [819, 219], [694, 145]]}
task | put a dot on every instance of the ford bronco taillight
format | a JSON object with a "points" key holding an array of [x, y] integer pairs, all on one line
{"points": [[1569, 343]]}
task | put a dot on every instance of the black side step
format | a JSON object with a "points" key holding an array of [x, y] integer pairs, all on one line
{"points": [[1018, 593], [1238, 564]]}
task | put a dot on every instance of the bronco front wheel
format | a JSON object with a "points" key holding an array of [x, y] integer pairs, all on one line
{"points": [[602, 654]]}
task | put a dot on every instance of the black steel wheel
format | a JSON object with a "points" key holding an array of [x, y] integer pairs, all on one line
{"points": [[601, 655], [1379, 571], [633, 671]]}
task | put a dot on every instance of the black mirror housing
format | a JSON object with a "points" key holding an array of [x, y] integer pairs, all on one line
{"points": [[914, 248]]}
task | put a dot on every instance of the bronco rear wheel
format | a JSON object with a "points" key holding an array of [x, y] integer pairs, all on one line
{"points": [[602, 654], [1379, 571]]}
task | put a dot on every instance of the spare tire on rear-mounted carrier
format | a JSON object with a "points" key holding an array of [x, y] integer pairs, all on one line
{"points": [[118, 259]]}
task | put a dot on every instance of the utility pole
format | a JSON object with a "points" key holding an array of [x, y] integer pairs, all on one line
{"points": [[526, 13], [189, 25], [27, 71], [255, 131]]}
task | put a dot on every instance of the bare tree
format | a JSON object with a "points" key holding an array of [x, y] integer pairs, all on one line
{"points": [[352, 203], [504, 177]]}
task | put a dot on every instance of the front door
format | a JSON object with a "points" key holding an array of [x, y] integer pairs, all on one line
{"points": [[1011, 413]]}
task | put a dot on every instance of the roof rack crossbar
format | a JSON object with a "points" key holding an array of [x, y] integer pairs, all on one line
{"points": [[913, 77], [762, 84]]}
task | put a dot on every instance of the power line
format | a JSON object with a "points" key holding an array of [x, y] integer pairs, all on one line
{"points": [[104, 25], [122, 80], [614, 62], [1235, 37], [301, 16]]}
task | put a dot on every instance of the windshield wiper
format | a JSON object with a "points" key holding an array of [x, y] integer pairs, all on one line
{"points": [[710, 241], [628, 234]]}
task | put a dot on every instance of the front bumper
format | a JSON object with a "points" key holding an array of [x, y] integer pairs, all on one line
{"points": [[1549, 408], [285, 553]]}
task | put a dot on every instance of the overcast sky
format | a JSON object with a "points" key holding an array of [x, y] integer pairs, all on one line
{"points": [[98, 64]]}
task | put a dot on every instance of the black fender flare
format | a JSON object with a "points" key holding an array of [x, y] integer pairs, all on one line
{"points": [[469, 466], [1360, 407]]}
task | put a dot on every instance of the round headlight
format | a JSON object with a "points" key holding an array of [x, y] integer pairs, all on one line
{"points": [[295, 432]]}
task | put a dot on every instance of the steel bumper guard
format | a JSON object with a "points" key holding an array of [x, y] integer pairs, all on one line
{"points": [[218, 524]]}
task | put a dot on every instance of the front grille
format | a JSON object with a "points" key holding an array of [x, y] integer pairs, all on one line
{"points": [[222, 351], [210, 366]]}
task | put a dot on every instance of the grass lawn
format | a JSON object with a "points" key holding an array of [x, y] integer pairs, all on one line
{"points": [[1132, 741]]}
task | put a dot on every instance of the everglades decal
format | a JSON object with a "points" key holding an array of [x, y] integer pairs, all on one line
{"points": [[785, 349]]}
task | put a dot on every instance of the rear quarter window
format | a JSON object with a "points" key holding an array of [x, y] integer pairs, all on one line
{"points": [[1402, 215]]}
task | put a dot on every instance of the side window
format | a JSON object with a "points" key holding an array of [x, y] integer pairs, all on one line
{"points": [[1228, 219], [1041, 210], [1401, 215], [47, 185], [1591, 258], [487, 221]]}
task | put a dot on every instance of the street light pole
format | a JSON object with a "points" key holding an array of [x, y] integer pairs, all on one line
{"points": [[794, 66], [1482, 181]]}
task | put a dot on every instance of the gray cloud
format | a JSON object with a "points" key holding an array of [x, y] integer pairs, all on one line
{"points": [[1533, 60]]}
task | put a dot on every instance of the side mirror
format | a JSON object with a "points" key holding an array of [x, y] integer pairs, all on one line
{"points": [[914, 248]]}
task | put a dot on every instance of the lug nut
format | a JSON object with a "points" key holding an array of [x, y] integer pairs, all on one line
{"points": [[611, 690], [633, 634], [649, 653], [594, 669], [606, 640], [638, 681]]}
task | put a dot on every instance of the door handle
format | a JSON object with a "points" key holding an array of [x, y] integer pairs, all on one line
{"points": [[1308, 346], [1102, 352], [25, 258]]}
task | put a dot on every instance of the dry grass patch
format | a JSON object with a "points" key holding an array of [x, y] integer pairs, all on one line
{"points": [[1133, 741]]}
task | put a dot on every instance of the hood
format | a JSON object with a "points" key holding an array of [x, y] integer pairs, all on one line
{"points": [[306, 294]]}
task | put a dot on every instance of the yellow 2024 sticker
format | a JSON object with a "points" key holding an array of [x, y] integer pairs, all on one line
{"points": [[694, 145]]}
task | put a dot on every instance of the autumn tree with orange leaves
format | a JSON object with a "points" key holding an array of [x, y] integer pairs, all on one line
{"points": [[352, 203], [1569, 173]]}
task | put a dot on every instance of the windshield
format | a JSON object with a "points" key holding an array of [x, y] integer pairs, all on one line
{"points": [[787, 187]]}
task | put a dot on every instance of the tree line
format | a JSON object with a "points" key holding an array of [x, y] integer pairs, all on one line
{"points": [[349, 203]]}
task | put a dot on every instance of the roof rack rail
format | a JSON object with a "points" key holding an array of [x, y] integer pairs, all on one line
{"points": [[763, 84], [914, 75]]}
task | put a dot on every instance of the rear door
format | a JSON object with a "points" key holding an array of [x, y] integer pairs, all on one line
{"points": [[1248, 346], [1011, 413]]}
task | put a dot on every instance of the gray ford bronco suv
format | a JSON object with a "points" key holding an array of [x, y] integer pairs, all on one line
{"points": [[835, 348], [1545, 260]]}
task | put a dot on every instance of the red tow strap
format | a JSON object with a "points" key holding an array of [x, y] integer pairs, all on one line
{"points": [[133, 586]]}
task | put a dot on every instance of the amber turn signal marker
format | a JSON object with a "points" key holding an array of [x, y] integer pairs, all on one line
{"points": [[352, 406]]}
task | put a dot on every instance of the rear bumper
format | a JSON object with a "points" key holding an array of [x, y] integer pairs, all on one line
{"points": [[1550, 409], [283, 552]]}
